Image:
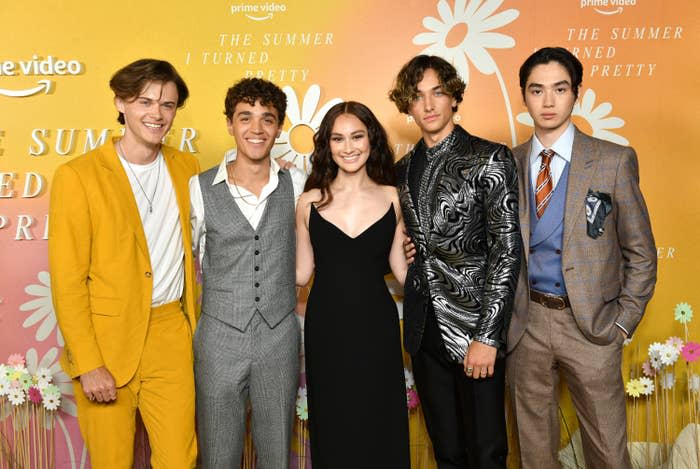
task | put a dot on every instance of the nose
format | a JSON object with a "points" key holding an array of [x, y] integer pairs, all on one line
{"points": [[256, 126], [428, 103], [548, 99], [347, 146]]}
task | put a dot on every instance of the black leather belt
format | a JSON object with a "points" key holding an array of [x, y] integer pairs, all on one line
{"points": [[550, 301]]}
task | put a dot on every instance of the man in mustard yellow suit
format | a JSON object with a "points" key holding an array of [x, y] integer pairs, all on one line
{"points": [[122, 277]]}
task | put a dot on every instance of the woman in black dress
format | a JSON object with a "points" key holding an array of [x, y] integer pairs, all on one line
{"points": [[349, 233]]}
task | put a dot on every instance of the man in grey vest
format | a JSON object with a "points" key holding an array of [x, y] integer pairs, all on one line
{"points": [[588, 271], [246, 345]]}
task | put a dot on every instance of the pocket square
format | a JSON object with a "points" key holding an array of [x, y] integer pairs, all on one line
{"points": [[598, 206]]}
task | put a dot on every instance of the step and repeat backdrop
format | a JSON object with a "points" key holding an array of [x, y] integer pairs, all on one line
{"points": [[640, 88]]}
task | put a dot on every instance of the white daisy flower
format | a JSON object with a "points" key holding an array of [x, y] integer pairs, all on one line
{"points": [[647, 385], [655, 363], [655, 350], [51, 402], [668, 380], [62, 384], [601, 124], [4, 371], [302, 407], [694, 383], [41, 309], [4, 387], [669, 355], [307, 119], [408, 376], [16, 396], [478, 37]]}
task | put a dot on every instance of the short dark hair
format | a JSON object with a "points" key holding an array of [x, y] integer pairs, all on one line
{"points": [[405, 87], [251, 90], [129, 81], [380, 164], [553, 54]]}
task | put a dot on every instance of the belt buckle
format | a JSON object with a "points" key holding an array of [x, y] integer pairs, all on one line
{"points": [[556, 302]]}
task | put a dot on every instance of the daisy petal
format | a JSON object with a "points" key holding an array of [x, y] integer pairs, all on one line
{"points": [[46, 328], [38, 290], [611, 123], [587, 101], [525, 118], [445, 12], [49, 358], [486, 9], [35, 317], [292, 105], [315, 123], [499, 20], [435, 25], [602, 110], [462, 66], [34, 304], [481, 60], [426, 38], [310, 102], [495, 40], [611, 137]]}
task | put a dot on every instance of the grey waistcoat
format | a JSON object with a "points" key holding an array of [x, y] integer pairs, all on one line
{"points": [[245, 270]]}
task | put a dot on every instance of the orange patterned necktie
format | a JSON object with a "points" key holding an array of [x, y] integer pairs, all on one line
{"points": [[544, 188]]}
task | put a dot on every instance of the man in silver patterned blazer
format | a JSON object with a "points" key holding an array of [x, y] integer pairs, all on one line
{"points": [[459, 195], [589, 269]]}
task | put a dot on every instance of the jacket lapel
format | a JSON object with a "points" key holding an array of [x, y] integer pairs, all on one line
{"points": [[180, 180], [521, 154], [110, 161], [584, 158]]}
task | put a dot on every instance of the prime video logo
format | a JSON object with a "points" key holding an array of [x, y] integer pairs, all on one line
{"points": [[258, 11], [608, 7]]}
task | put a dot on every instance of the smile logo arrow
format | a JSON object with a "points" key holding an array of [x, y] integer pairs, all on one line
{"points": [[44, 85]]}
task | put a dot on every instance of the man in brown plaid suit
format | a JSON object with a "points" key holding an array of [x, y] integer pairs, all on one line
{"points": [[588, 272]]}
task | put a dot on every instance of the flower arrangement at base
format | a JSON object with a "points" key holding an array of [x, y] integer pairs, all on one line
{"points": [[412, 400], [28, 403], [665, 400], [302, 412]]}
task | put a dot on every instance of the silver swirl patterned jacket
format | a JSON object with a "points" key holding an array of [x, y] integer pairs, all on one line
{"points": [[467, 237]]}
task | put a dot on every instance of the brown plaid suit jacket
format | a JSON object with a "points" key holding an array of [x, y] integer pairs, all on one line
{"points": [[608, 279]]}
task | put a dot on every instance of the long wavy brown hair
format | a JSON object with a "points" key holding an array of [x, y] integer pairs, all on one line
{"points": [[380, 164]]}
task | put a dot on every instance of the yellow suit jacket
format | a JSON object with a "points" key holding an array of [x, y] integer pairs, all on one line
{"points": [[101, 275]]}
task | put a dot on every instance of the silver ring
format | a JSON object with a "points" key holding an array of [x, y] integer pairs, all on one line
{"points": [[469, 369]]}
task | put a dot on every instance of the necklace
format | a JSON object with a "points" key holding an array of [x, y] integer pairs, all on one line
{"points": [[229, 171], [143, 191]]}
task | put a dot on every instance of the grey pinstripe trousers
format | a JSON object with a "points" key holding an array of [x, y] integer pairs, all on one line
{"points": [[259, 365]]}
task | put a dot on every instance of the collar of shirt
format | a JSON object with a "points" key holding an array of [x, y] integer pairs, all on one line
{"points": [[443, 144], [562, 149], [241, 192]]}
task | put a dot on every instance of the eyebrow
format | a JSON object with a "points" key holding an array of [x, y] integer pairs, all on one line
{"points": [[539, 85], [434, 88], [264, 114]]}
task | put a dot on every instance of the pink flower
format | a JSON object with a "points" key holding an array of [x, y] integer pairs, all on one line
{"points": [[691, 351], [648, 369], [35, 395], [412, 398], [15, 360]]}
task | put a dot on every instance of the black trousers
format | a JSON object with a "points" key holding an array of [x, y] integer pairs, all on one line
{"points": [[465, 417]]}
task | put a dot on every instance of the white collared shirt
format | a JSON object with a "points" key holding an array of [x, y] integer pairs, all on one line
{"points": [[251, 206], [562, 149]]}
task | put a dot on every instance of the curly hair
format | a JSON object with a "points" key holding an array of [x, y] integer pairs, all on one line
{"points": [[405, 87], [380, 164], [130, 80], [251, 90]]}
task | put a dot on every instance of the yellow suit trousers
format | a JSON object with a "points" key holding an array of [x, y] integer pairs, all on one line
{"points": [[162, 389]]}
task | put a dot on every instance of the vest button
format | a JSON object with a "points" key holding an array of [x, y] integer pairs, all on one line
{"points": [[531, 250], [257, 298], [148, 275], [557, 284], [257, 237], [257, 252], [534, 282], [257, 268], [257, 284], [558, 251]]}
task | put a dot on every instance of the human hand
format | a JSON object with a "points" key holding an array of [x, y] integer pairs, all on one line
{"points": [[409, 249], [98, 385], [284, 164], [479, 360]]}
